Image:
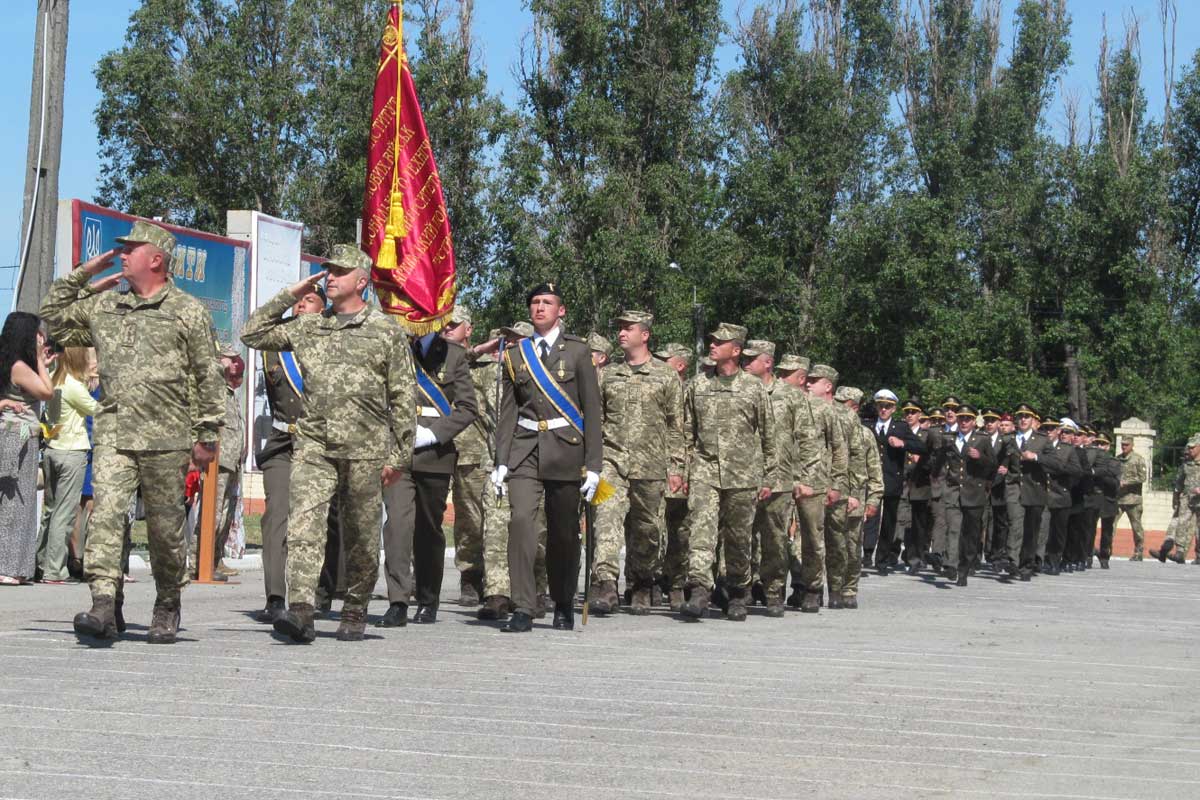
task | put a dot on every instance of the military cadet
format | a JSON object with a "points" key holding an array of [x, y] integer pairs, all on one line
{"points": [[1030, 445], [644, 455], [950, 408], [284, 381], [932, 439], [895, 441], [838, 501], [470, 485], [413, 541], [727, 419], [865, 481], [675, 558], [356, 434], [1181, 531], [793, 370], [549, 437], [601, 350], [1129, 494], [1072, 553], [1058, 485], [231, 455], [970, 466], [1108, 480], [162, 400], [795, 455], [917, 480]]}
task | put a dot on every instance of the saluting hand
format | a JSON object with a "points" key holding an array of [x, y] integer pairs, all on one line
{"points": [[301, 288], [97, 264]]}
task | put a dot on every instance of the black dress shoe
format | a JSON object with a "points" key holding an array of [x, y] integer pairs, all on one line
{"points": [[519, 622], [396, 616], [272, 611], [951, 573], [426, 615], [1104, 563], [564, 617], [962, 579]]}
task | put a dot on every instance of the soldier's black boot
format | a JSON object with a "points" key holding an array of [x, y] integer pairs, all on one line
{"points": [[395, 617], [164, 624], [811, 602], [297, 623], [1161, 554], [758, 593], [271, 612], [796, 597], [353, 625], [737, 609], [100, 622]]}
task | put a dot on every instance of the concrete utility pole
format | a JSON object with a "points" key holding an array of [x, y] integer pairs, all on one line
{"points": [[40, 211]]}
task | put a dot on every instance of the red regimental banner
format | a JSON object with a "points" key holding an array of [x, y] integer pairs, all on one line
{"points": [[406, 229]]}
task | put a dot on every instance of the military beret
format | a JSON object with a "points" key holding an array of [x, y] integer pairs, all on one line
{"points": [[460, 314], [348, 256], [819, 371], [1006, 417], [792, 362], [675, 350], [518, 330], [951, 403], [639, 317], [911, 405], [759, 347], [149, 233], [728, 332], [1194, 441], [967, 410], [886, 396], [1025, 408], [549, 287], [848, 394], [990, 413], [598, 343]]}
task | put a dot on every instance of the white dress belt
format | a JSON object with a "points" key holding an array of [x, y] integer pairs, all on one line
{"points": [[543, 424]]}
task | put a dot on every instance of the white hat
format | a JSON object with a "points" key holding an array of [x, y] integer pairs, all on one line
{"points": [[1067, 422], [887, 394]]}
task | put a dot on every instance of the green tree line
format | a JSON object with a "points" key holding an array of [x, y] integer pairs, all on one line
{"points": [[872, 184]]}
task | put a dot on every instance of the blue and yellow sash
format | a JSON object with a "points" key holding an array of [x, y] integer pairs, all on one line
{"points": [[291, 371], [432, 391], [547, 385]]}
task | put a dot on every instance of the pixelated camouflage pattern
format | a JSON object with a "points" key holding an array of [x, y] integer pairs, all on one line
{"points": [[643, 420], [727, 421], [725, 516]]}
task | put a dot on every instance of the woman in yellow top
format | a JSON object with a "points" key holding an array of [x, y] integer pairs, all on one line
{"points": [[64, 462]]}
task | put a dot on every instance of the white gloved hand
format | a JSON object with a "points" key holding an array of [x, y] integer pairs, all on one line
{"points": [[590, 482], [425, 438], [498, 475]]}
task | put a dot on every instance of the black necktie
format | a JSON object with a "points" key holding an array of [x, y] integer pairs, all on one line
{"points": [[545, 348]]}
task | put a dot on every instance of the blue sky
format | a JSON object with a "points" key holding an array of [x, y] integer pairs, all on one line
{"points": [[98, 26]]}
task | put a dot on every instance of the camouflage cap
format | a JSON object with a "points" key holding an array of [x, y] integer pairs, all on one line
{"points": [[792, 362], [1194, 441], [728, 332], [348, 256], [518, 330], [759, 347], [598, 343], [150, 233], [675, 350], [848, 394], [639, 317], [822, 371], [460, 314]]}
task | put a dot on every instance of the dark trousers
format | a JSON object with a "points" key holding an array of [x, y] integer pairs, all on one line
{"points": [[525, 493], [1031, 528], [998, 534], [885, 548], [970, 538], [1077, 533], [413, 537], [916, 537], [1056, 544], [1106, 537]]}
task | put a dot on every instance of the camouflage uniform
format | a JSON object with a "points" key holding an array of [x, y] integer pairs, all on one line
{"points": [[865, 479], [727, 420], [675, 544], [774, 515], [643, 445], [161, 393], [359, 397], [837, 524], [230, 456], [1183, 525], [470, 488], [1129, 497], [815, 420]]}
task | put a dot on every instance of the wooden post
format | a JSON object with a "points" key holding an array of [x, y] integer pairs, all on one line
{"points": [[208, 522]]}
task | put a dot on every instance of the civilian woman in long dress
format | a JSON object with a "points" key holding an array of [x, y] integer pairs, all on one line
{"points": [[24, 383]]}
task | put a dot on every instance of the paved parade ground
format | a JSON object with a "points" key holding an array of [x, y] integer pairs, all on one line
{"points": [[1079, 686]]}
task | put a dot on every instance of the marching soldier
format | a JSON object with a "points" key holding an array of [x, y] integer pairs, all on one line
{"points": [[895, 441], [970, 464], [1181, 531], [675, 560], [601, 350], [644, 455], [549, 448], [1129, 494], [920, 491], [356, 434], [163, 400], [1108, 479], [1059, 481], [728, 421], [995, 518], [865, 481]]}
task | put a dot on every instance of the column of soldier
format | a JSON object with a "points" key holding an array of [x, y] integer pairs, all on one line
{"points": [[722, 485]]}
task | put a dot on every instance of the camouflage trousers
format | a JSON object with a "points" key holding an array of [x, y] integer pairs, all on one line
{"points": [[496, 514], [636, 508], [116, 475], [1134, 512], [1182, 528], [675, 562], [722, 517], [838, 557], [228, 495], [810, 517], [471, 487], [771, 519], [316, 480], [854, 549]]}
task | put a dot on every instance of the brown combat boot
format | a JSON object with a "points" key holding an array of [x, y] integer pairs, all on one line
{"points": [[1137, 556], [640, 602], [100, 622], [697, 603], [468, 595], [849, 601], [353, 625], [604, 597], [544, 603], [775, 607], [297, 623], [495, 606], [737, 609], [676, 600], [811, 602], [164, 624], [1161, 554]]}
